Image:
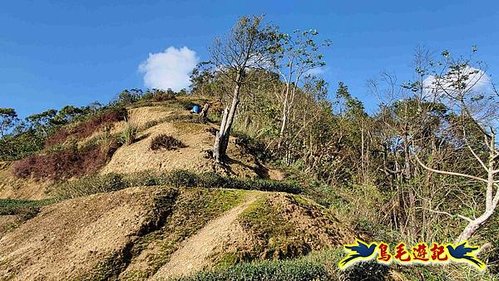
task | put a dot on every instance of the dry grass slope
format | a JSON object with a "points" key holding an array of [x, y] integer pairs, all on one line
{"points": [[196, 138], [87, 238], [12, 187]]}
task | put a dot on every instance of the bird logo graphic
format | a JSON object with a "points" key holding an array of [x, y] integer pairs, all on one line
{"points": [[465, 253], [438, 253], [359, 251]]}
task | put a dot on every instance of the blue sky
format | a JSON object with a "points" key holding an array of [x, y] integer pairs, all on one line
{"points": [[54, 53]]}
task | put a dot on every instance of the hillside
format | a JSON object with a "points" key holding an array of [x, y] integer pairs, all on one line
{"points": [[169, 118], [162, 230], [130, 191], [254, 160]]}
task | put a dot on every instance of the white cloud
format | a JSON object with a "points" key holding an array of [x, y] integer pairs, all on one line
{"points": [[169, 69], [478, 82], [481, 102], [316, 71]]}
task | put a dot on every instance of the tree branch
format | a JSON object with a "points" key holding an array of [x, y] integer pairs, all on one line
{"points": [[446, 213], [447, 172], [473, 151]]}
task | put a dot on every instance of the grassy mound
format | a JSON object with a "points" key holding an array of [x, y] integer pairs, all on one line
{"points": [[285, 226]]}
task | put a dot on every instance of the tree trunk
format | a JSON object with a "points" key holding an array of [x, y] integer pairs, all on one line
{"points": [[490, 201], [285, 113], [474, 225], [222, 137], [218, 138]]}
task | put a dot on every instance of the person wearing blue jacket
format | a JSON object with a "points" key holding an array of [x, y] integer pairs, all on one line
{"points": [[196, 109]]}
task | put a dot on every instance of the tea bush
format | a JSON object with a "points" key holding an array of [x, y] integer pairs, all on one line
{"points": [[90, 185], [291, 270], [178, 178]]}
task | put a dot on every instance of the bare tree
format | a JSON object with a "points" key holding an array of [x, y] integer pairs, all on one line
{"points": [[246, 47], [294, 57], [465, 90]]}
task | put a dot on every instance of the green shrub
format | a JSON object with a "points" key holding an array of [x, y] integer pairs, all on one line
{"points": [[127, 97], [90, 185], [253, 146], [291, 270], [177, 178], [24, 208], [182, 178], [366, 271], [146, 178], [213, 180], [21, 145], [129, 134], [158, 95]]}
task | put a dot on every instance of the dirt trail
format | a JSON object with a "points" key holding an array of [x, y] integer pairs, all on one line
{"points": [[194, 254]]}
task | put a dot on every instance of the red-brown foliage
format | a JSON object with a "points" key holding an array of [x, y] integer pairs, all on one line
{"points": [[87, 127], [64, 164]]}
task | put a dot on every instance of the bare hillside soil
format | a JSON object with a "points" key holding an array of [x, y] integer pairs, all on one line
{"points": [[87, 238], [8, 222], [198, 140], [158, 232], [12, 187]]}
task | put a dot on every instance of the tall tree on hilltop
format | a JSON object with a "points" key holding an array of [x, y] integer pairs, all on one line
{"points": [[246, 47]]}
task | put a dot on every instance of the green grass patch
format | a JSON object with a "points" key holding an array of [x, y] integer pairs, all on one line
{"points": [[277, 237], [285, 270], [24, 208], [316, 266]]}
